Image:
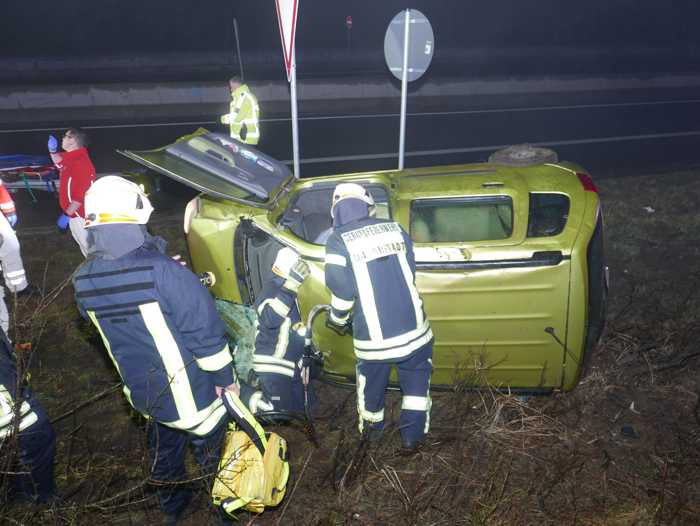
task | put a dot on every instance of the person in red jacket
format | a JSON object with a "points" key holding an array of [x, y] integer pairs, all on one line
{"points": [[77, 174]]}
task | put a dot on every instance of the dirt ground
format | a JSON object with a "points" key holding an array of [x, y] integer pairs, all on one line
{"points": [[620, 449]]}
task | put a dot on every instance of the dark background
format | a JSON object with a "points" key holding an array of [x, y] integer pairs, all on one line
{"points": [[195, 40]]}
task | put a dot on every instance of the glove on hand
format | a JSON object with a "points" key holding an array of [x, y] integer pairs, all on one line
{"points": [[12, 219], [62, 222], [53, 144], [299, 272], [342, 330]]}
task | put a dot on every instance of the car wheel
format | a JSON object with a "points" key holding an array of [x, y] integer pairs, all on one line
{"points": [[597, 293]]}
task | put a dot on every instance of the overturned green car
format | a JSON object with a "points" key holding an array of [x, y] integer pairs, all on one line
{"points": [[509, 253]]}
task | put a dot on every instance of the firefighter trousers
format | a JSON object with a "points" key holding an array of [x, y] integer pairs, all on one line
{"points": [[166, 448], [414, 379], [37, 448]]}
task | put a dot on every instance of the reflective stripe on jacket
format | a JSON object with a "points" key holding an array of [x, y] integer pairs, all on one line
{"points": [[370, 270], [162, 331], [11, 258], [279, 342]]}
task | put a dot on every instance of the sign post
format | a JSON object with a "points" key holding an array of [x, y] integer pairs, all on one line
{"points": [[408, 50], [348, 26], [238, 48], [287, 20]]}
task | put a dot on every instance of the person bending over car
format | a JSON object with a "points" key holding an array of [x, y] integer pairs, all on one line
{"points": [[162, 331], [370, 271], [280, 338]]}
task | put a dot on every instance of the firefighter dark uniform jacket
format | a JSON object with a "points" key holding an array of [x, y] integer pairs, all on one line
{"points": [[370, 270], [279, 346], [163, 333], [21, 415]]}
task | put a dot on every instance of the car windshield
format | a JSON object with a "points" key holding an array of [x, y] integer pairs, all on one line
{"points": [[461, 219]]}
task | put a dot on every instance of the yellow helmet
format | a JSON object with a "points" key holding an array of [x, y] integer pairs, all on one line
{"points": [[115, 200]]}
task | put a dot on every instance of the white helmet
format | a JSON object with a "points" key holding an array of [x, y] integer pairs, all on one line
{"points": [[351, 191], [115, 200], [285, 260]]}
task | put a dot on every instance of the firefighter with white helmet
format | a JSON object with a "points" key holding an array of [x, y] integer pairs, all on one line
{"points": [[280, 335], [162, 332], [371, 272]]}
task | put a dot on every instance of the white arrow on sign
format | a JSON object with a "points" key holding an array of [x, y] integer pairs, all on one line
{"points": [[287, 20]]}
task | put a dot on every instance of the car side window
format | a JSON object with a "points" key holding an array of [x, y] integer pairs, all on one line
{"points": [[309, 214], [462, 219], [547, 215]]}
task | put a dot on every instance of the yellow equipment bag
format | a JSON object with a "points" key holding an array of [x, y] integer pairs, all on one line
{"points": [[248, 479]]}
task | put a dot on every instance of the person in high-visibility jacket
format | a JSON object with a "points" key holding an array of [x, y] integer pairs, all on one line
{"points": [[162, 331], [371, 273], [244, 113], [22, 418], [10, 256]]}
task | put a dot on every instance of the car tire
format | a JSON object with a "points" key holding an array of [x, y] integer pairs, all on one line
{"points": [[597, 293], [523, 155]]}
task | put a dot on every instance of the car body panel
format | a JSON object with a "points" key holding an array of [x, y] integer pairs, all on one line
{"points": [[219, 166], [509, 312]]}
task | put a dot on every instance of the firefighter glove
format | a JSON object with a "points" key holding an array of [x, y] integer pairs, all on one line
{"points": [[297, 275], [53, 144]]}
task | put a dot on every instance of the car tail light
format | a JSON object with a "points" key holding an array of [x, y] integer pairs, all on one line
{"points": [[587, 182], [190, 211]]}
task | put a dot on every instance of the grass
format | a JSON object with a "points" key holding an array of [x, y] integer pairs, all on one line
{"points": [[620, 449]]}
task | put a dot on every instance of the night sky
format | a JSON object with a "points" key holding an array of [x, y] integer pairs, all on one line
{"points": [[44, 42], [107, 27]]}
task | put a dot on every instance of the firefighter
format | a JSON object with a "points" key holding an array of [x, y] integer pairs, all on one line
{"points": [[370, 271], [162, 331], [10, 256], [22, 418], [280, 336], [244, 113]]}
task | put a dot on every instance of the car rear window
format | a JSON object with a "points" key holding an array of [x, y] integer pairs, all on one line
{"points": [[548, 214], [461, 219]]}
